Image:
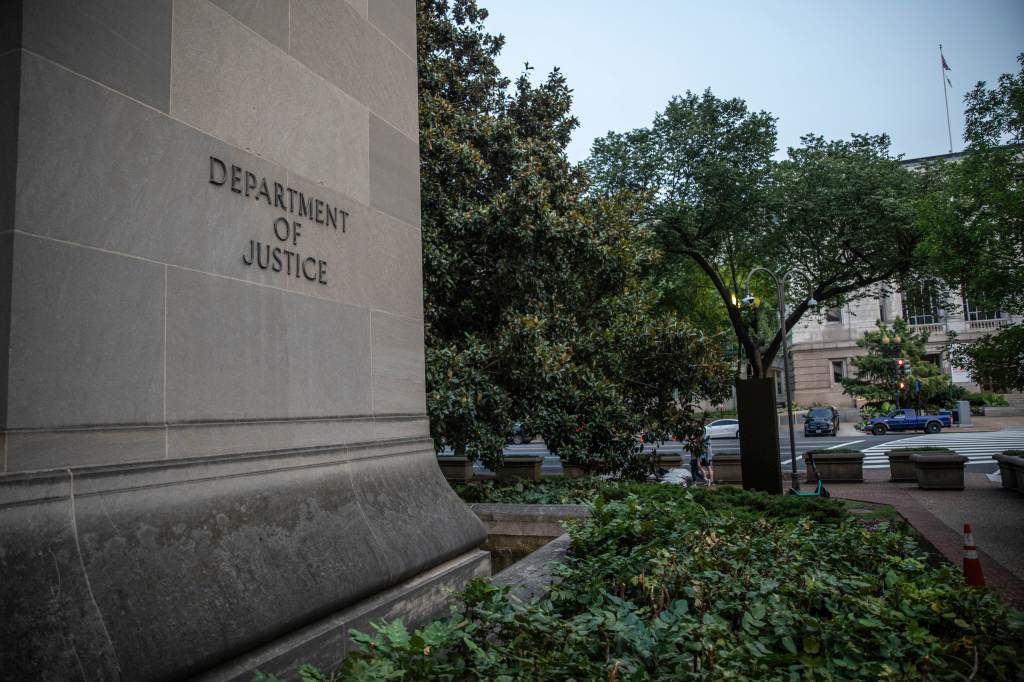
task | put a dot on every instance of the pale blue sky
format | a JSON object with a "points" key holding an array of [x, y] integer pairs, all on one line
{"points": [[827, 67]]}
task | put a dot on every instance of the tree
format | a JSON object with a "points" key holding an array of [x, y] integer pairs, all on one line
{"points": [[836, 213], [535, 308], [877, 375], [973, 217]]}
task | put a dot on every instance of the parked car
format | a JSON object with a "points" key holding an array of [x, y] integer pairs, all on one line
{"points": [[722, 428], [908, 420], [519, 435], [822, 421]]}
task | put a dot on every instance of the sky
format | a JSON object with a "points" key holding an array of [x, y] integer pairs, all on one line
{"points": [[825, 66]]}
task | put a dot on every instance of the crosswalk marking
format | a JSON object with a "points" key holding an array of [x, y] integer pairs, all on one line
{"points": [[977, 447]]}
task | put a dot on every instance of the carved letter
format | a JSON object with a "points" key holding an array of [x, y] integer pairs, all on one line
{"points": [[277, 232], [278, 195], [277, 259], [216, 163], [295, 232], [320, 211], [236, 179], [261, 251], [250, 182], [252, 250], [311, 278], [323, 272], [263, 192], [332, 216]]}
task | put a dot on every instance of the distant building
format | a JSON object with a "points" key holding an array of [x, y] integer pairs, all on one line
{"points": [[823, 348]]}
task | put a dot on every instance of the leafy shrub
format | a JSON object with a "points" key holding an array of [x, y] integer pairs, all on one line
{"points": [[683, 586], [985, 399]]}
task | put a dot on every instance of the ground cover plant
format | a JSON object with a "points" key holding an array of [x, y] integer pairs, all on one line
{"points": [[667, 584]]}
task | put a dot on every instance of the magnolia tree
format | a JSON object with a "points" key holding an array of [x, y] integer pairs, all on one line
{"points": [[535, 304], [836, 214]]}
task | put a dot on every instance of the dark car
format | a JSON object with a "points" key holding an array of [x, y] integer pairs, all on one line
{"points": [[519, 434], [821, 421]]}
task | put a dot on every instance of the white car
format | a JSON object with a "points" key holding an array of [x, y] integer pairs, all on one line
{"points": [[722, 428]]}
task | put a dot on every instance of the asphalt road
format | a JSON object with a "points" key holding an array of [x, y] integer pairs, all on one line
{"points": [[979, 447]]}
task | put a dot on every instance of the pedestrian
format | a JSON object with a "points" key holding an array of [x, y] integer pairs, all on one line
{"points": [[695, 472], [706, 462]]}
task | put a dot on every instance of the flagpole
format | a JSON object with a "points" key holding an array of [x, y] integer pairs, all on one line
{"points": [[942, 72]]}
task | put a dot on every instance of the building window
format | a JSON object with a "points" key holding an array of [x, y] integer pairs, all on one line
{"points": [[920, 306], [883, 308], [838, 371], [973, 313], [834, 313]]}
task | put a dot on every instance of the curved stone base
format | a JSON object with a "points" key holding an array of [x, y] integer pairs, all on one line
{"points": [[164, 570]]}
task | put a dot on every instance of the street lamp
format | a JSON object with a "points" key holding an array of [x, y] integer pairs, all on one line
{"points": [[780, 290]]}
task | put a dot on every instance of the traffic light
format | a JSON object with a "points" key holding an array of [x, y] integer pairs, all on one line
{"points": [[901, 367], [902, 385]]}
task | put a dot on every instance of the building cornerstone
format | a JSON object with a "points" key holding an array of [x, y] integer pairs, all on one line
{"points": [[214, 428]]}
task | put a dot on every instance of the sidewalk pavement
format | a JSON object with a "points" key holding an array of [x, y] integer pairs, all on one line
{"points": [[995, 514]]}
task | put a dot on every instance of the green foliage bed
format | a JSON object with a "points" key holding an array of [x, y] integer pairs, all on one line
{"points": [[668, 584]]}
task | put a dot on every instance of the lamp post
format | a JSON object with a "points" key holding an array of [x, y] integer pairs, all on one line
{"points": [[780, 290]]}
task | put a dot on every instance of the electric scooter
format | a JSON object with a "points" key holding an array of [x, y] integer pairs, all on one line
{"points": [[819, 491]]}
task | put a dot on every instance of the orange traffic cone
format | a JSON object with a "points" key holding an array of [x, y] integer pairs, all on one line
{"points": [[972, 567]]}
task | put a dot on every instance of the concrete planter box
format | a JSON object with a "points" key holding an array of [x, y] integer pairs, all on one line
{"points": [[901, 469], [669, 461], [836, 466], [939, 472], [1009, 469], [456, 469], [727, 469], [522, 468]]}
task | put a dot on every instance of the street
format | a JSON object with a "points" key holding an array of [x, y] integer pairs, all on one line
{"points": [[979, 447]]}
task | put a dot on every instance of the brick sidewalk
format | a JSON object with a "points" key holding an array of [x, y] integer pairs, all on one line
{"points": [[997, 517]]}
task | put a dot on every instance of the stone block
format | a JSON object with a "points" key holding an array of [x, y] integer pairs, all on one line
{"points": [[835, 466], [394, 172], [224, 91], [40, 449], [159, 205], [221, 438], [332, 39], [455, 469], [237, 352], [939, 472], [111, 305], [399, 373], [413, 512], [45, 590], [395, 267], [397, 20], [269, 18], [728, 469], [901, 469], [520, 467], [123, 44], [401, 426], [1007, 469]]}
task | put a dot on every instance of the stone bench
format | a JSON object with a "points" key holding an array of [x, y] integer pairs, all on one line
{"points": [[939, 471]]}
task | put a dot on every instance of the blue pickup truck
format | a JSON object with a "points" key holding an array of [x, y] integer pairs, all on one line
{"points": [[908, 420]]}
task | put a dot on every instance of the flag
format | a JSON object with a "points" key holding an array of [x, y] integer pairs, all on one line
{"points": [[945, 66]]}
